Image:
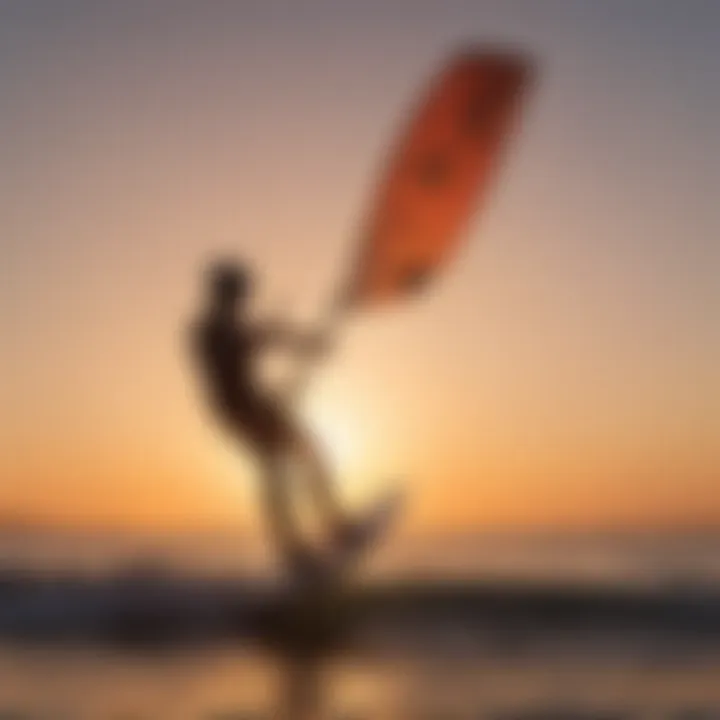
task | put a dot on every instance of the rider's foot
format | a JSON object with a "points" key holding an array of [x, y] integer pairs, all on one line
{"points": [[347, 532], [303, 562]]}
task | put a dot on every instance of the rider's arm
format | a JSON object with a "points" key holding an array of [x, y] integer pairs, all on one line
{"points": [[286, 336]]}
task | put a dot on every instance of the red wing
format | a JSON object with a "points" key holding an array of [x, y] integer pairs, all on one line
{"points": [[439, 175]]}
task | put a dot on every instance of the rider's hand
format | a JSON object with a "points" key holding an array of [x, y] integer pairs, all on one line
{"points": [[318, 344]]}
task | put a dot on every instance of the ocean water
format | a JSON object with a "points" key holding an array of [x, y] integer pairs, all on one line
{"points": [[631, 559], [231, 683], [641, 640]]}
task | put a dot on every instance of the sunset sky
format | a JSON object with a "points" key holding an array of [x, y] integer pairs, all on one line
{"points": [[565, 370]]}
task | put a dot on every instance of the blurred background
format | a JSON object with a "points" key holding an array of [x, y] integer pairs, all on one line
{"points": [[553, 407]]}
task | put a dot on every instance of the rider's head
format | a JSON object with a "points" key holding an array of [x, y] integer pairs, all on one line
{"points": [[229, 282]]}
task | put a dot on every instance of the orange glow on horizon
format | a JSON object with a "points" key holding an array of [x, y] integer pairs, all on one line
{"points": [[562, 372]]}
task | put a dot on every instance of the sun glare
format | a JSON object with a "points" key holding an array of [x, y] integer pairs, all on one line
{"points": [[342, 439]]}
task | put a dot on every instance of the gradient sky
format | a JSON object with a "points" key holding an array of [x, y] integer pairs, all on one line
{"points": [[563, 373]]}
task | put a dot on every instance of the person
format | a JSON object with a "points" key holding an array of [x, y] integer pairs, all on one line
{"points": [[228, 345]]}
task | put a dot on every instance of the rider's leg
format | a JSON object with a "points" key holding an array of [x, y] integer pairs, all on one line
{"points": [[281, 438], [278, 512], [318, 477]]}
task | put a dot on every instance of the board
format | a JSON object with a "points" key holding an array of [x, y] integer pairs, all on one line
{"points": [[340, 559], [335, 561], [371, 528], [309, 598]]}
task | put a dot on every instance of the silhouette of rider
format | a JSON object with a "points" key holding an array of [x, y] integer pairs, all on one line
{"points": [[228, 343]]}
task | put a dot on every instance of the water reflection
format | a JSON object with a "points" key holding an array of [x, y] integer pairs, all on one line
{"points": [[234, 683]]}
